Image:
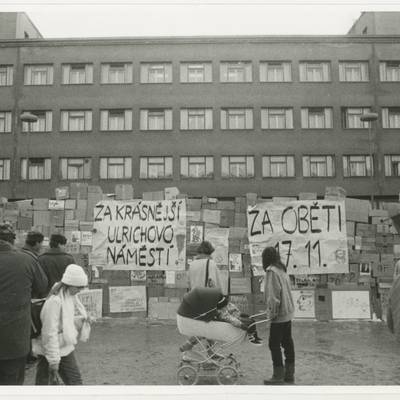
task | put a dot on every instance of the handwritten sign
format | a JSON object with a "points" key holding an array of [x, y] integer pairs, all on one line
{"points": [[127, 298], [310, 236], [93, 301], [235, 262], [304, 303], [136, 234], [351, 304]]}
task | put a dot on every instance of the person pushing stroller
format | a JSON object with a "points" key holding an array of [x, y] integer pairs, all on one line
{"points": [[210, 304]]}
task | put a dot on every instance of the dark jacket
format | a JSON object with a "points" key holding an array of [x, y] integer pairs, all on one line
{"points": [[200, 303], [54, 262], [18, 278]]}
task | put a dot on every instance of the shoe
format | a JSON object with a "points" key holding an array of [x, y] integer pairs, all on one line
{"points": [[277, 377], [255, 341], [186, 346], [289, 373]]}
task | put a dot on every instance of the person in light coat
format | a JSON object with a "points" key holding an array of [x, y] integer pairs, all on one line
{"points": [[64, 321]]}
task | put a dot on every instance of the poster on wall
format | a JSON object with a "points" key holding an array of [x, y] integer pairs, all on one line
{"points": [[127, 299], [140, 235], [218, 237], [309, 235], [92, 299], [304, 303], [235, 262], [196, 233], [352, 304]]}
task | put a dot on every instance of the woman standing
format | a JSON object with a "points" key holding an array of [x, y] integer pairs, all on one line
{"points": [[280, 305], [64, 320]]}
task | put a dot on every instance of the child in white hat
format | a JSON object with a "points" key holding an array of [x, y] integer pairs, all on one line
{"points": [[64, 321]]}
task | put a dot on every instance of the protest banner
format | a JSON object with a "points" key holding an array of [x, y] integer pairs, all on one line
{"points": [[142, 235], [93, 301], [309, 235], [127, 299]]}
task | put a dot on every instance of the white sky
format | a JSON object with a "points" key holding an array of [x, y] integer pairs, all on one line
{"points": [[91, 18]]}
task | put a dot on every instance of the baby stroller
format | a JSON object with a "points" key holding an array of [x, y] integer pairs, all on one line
{"points": [[210, 357]]}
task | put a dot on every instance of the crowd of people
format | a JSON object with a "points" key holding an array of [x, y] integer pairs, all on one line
{"points": [[28, 274]]}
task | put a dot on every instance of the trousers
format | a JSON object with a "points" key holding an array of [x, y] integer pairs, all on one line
{"points": [[280, 335], [12, 372], [68, 371]]}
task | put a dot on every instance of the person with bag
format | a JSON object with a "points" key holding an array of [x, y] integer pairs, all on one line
{"points": [[64, 321], [203, 272], [280, 308]]}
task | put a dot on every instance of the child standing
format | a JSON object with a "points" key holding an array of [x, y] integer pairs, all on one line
{"points": [[280, 305]]}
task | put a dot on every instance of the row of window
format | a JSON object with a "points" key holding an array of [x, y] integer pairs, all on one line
{"points": [[201, 119], [273, 166], [201, 72]]}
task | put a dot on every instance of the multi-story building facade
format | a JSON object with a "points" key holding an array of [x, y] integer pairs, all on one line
{"points": [[215, 116]]}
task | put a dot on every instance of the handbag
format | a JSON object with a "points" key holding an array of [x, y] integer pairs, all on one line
{"points": [[36, 322]]}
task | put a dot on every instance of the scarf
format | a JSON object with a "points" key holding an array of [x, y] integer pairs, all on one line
{"points": [[68, 306]]}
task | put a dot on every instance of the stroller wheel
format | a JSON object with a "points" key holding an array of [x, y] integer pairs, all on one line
{"points": [[187, 375], [227, 375]]}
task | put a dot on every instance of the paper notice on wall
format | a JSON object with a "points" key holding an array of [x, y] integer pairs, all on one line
{"points": [[235, 262], [170, 277], [309, 235], [127, 299], [93, 301], [137, 234], [351, 304], [219, 238], [86, 238], [304, 303]]}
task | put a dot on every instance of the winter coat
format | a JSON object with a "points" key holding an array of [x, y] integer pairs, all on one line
{"points": [[197, 273], [278, 295], [19, 277], [54, 262], [393, 312]]}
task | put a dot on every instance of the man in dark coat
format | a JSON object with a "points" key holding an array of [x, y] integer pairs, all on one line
{"points": [[55, 260], [19, 277]]}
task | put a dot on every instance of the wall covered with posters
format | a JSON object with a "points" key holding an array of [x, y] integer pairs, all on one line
{"points": [[340, 253]]}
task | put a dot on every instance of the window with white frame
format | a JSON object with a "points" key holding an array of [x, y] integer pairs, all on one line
{"points": [[357, 165], [196, 118], [38, 74], [278, 166], [115, 167], [43, 124], [236, 118], [6, 75], [36, 169], [116, 120], [318, 166], [197, 167], [353, 71], [275, 71], [156, 72], [315, 71], [276, 118], [76, 120], [4, 169], [73, 168], [116, 73], [155, 167], [196, 72], [237, 167], [351, 117], [5, 121], [316, 118], [392, 165], [236, 71], [156, 119], [389, 71], [77, 74], [391, 117]]}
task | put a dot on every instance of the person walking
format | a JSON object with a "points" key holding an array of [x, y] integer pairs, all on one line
{"points": [[64, 321], [55, 260], [203, 272], [280, 307], [19, 277]]}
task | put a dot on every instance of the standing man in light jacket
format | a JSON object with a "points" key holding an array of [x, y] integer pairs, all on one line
{"points": [[19, 277], [280, 307], [55, 260]]}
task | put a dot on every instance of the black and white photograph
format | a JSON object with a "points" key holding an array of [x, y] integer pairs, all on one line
{"points": [[186, 188]]}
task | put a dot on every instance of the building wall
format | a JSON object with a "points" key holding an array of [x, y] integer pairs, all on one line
{"points": [[377, 23], [176, 143], [17, 25]]}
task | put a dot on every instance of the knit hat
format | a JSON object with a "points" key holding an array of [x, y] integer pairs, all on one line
{"points": [[7, 233], [74, 275], [205, 247]]}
